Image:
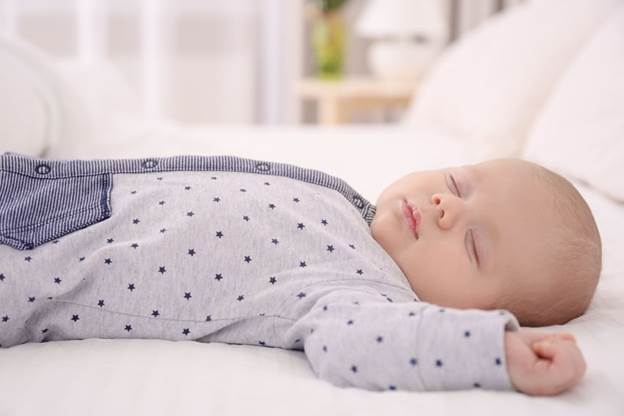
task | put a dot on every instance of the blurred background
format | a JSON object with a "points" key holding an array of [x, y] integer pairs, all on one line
{"points": [[253, 61]]}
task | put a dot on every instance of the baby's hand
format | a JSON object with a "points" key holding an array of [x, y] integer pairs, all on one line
{"points": [[542, 363]]}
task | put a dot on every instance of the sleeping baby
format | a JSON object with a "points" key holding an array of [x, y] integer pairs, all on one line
{"points": [[426, 290]]}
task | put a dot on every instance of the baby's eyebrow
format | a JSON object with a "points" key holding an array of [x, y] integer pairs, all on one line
{"points": [[473, 174]]}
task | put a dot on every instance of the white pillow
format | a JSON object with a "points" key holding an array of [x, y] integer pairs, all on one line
{"points": [[99, 103], [581, 131], [38, 108], [29, 106], [489, 86]]}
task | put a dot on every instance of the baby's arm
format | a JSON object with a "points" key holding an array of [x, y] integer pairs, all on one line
{"points": [[357, 338], [543, 363]]}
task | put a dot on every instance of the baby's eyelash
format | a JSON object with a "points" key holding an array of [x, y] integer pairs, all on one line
{"points": [[474, 247], [455, 185]]}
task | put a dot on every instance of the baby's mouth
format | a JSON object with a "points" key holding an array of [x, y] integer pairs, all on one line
{"points": [[412, 216]]}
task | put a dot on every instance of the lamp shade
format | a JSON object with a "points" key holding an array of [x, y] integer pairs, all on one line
{"points": [[402, 18]]}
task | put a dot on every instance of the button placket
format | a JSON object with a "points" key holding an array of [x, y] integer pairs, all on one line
{"points": [[358, 201], [43, 169], [149, 163], [263, 166]]}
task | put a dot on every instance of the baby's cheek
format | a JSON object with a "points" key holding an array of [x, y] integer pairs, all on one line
{"points": [[382, 230], [441, 280]]}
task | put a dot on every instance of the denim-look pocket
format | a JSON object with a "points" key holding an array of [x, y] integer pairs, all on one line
{"points": [[35, 210]]}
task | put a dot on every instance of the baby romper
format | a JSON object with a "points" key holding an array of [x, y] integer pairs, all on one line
{"points": [[227, 249]]}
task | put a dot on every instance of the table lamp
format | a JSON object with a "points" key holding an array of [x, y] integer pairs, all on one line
{"points": [[408, 33]]}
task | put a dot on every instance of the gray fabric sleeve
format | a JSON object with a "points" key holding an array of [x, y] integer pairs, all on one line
{"points": [[353, 338]]}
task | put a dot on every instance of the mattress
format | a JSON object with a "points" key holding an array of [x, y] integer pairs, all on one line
{"points": [[156, 377]]}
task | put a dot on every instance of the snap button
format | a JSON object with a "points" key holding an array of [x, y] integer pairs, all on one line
{"points": [[150, 163], [43, 169], [358, 202], [263, 166]]}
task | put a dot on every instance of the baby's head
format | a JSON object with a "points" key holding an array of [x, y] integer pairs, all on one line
{"points": [[505, 234]]}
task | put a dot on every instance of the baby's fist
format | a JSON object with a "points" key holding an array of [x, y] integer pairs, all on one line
{"points": [[542, 363]]}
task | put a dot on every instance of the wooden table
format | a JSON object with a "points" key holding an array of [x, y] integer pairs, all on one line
{"points": [[336, 99]]}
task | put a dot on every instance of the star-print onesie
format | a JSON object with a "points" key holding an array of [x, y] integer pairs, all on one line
{"points": [[233, 250]]}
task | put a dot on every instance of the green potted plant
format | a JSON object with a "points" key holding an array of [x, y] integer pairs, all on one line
{"points": [[328, 38]]}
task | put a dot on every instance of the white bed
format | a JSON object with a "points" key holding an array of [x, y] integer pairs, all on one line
{"points": [[154, 377]]}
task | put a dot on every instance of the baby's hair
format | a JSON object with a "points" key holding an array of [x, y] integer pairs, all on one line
{"points": [[571, 263]]}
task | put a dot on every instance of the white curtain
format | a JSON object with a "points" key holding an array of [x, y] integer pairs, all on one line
{"points": [[470, 13], [195, 61]]}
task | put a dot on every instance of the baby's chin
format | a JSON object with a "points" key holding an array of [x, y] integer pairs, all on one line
{"points": [[380, 229]]}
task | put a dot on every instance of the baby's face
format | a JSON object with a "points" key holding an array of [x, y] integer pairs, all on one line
{"points": [[481, 228]]}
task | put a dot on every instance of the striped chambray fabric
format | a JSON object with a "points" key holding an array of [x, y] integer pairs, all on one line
{"points": [[36, 193]]}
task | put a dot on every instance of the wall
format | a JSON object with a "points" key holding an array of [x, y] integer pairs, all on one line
{"points": [[204, 61]]}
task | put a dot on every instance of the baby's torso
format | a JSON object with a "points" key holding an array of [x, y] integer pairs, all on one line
{"points": [[210, 255]]}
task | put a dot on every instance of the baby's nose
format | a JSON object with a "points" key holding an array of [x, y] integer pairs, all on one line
{"points": [[437, 200], [449, 209]]}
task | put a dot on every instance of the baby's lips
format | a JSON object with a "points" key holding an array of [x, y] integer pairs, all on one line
{"points": [[416, 214]]}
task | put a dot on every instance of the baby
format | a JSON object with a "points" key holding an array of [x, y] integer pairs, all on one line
{"points": [[425, 290], [505, 234]]}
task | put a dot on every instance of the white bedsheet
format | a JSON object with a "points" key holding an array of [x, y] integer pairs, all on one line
{"points": [[154, 377]]}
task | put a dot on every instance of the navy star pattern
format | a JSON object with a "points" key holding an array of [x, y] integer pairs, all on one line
{"points": [[215, 293]]}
